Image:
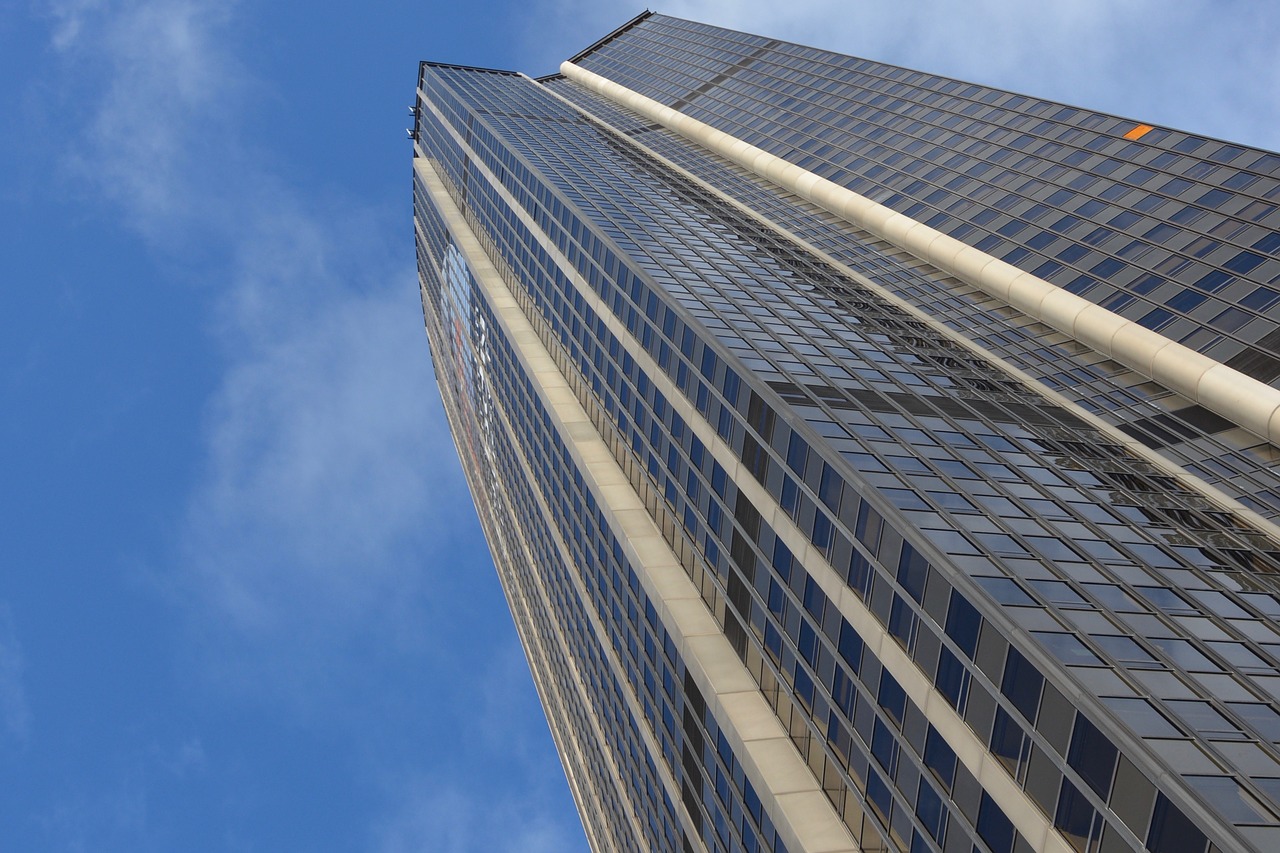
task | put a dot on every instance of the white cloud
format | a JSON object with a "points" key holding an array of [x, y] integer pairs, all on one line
{"points": [[436, 816], [157, 127], [327, 468], [329, 524], [514, 798], [15, 713]]}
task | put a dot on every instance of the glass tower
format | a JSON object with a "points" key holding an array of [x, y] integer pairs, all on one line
{"points": [[872, 460]]}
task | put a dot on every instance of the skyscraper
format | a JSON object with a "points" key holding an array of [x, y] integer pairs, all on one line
{"points": [[872, 460]]}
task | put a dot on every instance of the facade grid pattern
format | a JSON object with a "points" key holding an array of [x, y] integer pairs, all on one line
{"points": [[830, 469], [1232, 460]]}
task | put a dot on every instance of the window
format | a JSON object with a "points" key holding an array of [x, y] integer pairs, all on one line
{"points": [[1172, 832], [952, 679], [1226, 795], [1022, 684], [1067, 648], [930, 811], [1093, 756], [1077, 819], [892, 697], [940, 758], [1204, 719], [993, 827], [1262, 718]]}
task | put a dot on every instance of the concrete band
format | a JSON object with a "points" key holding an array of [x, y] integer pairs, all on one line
{"points": [[1241, 399], [794, 800]]}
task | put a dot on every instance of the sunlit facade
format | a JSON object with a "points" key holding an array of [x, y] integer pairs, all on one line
{"points": [[871, 460]]}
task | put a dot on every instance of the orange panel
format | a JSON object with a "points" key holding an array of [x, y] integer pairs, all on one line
{"points": [[1139, 131]]}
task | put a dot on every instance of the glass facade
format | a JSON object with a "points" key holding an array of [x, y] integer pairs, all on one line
{"points": [[999, 592]]}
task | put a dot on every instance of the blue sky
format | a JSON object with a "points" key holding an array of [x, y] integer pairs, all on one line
{"points": [[244, 603]]}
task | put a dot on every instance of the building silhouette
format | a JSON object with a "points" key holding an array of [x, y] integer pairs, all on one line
{"points": [[871, 460]]}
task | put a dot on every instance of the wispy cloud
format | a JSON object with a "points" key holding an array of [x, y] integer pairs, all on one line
{"points": [[435, 815], [105, 818], [324, 525], [433, 812], [113, 807], [508, 806]]}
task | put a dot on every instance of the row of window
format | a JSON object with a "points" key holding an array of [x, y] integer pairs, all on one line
{"points": [[513, 529]]}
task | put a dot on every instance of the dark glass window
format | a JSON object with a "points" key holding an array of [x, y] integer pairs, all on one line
{"points": [[1139, 715], [1225, 794], [939, 757], [1213, 281], [1226, 153], [929, 810], [1263, 718], [1067, 648], [1022, 683], [1269, 244], [797, 454], [829, 488], [1172, 832], [1260, 299], [892, 697], [878, 795], [952, 679], [1124, 649], [1093, 756], [1057, 592], [782, 560], [1008, 741], [1075, 816], [913, 571], [850, 646], [1186, 300], [993, 827], [1203, 718], [1244, 262], [901, 621], [963, 623], [1005, 590]]}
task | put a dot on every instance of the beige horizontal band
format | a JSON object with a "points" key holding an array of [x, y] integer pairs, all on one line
{"points": [[1241, 399]]}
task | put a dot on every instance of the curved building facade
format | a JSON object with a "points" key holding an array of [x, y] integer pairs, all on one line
{"points": [[871, 460]]}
